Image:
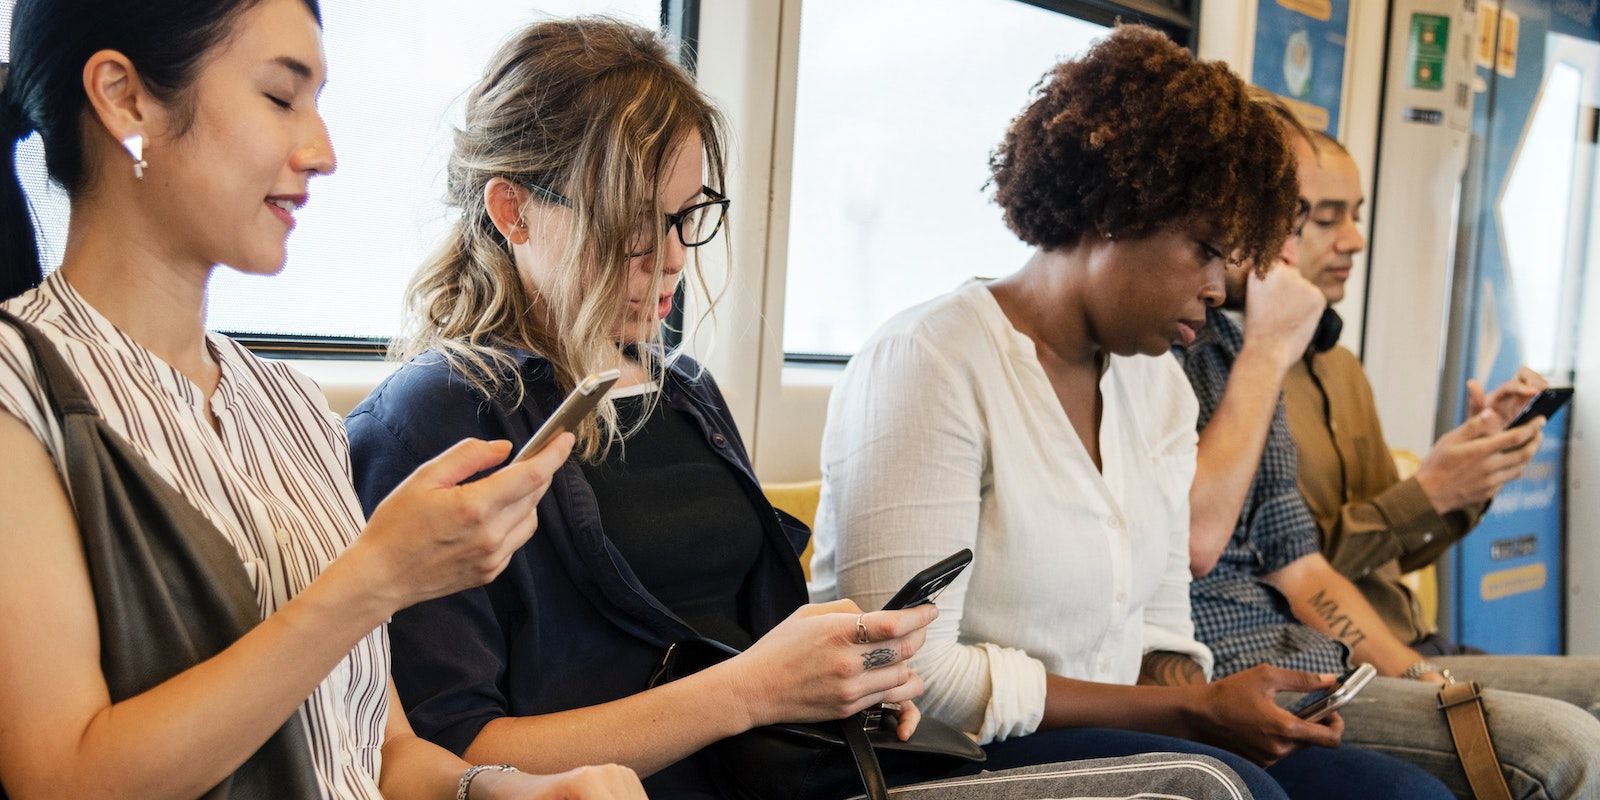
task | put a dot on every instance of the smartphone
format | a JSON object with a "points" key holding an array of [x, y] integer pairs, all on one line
{"points": [[1319, 704], [1544, 404], [927, 584], [588, 394]]}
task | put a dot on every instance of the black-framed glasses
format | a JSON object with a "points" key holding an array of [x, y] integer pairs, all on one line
{"points": [[696, 225], [1302, 214]]}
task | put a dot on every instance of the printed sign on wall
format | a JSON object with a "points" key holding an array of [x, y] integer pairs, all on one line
{"points": [[1488, 22], [1300, 56], [1510, 28], [1430, 33]]}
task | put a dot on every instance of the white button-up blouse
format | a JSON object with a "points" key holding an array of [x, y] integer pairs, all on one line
{"points": [[945, 433]]}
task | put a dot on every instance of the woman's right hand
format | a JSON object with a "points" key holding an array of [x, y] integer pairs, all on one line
{"points": [[812, 668], [1238, 713], [434, 535]]}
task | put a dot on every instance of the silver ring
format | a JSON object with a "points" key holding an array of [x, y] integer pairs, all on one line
{"points": [[861, 630]]}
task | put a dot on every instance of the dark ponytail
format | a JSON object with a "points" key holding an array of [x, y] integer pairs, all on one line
{"points": [[51, 40], [19, 252]]}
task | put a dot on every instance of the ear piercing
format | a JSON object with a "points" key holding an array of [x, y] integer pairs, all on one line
{"points": [[135, 146]]}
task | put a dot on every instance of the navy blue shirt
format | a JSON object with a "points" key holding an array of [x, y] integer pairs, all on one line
{"points": [[568, 624]]}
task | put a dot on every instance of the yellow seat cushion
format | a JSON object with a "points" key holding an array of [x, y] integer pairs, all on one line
{"points": [[798, 500], [1423, 583]]}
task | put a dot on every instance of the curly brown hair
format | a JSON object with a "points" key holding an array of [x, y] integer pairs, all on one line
{"points": [[1137, 136]]}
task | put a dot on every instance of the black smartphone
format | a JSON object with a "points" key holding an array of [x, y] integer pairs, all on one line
{"points": [[588, 394], [1544, 404], [927, 584], [1319, 704]]}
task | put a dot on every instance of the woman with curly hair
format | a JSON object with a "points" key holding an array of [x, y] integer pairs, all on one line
{"points": [[588, 168], [1041, 421]]}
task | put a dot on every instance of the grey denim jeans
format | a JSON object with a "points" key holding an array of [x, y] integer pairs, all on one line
{"points": [[1542, 713], [1169, 776]]}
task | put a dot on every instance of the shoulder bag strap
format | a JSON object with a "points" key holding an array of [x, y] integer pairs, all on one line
{"points": [[62, 389], [1462, 704], [855, 738]]}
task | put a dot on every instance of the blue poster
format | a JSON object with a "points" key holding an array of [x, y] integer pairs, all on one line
{"points": [[1300, 56], [1508, 584]]}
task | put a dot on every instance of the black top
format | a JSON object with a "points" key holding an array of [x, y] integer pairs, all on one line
{"points": [[680, 518], [568, 623]]}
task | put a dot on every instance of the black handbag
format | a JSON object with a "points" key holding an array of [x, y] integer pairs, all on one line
{"points": [[821, 760], [169, 590]]}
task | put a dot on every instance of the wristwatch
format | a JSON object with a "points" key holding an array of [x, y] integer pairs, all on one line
{"points": [[1423, 667]]}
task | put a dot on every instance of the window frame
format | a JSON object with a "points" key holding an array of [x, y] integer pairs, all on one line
{"points": [[1183, 26], [681, 20]]}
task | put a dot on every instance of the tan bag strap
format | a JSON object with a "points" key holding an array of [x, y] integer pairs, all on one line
{"points": [[1462, 704]]}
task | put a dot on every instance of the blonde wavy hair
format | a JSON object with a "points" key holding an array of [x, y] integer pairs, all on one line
{"points": [[594, 109]]}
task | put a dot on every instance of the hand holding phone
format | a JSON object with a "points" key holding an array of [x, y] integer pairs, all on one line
{"points": [[579, 404], [1319, 704], [1544, 404], [927, 584]]}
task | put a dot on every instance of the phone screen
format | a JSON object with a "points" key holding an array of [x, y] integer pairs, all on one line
{"points": [[1306, 703], [1545, 404], [1319, 704]]}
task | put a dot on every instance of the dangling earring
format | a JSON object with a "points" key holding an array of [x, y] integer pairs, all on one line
{"points": [[135, 146]]}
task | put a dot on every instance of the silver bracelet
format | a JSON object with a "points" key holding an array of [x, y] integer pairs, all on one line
{"points": [[465, 784]]}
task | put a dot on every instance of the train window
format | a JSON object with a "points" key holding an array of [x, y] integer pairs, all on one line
{"points": [[1536, 215], [898, 107], [398, 72]]}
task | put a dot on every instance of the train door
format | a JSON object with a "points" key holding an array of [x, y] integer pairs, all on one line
{"points": [[1520, 279], [1583, 453]]}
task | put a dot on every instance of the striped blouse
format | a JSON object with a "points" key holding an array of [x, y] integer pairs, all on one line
{"points": [[273, 476]]}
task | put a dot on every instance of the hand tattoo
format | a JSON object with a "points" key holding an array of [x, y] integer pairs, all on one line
{"points": [[882, 657]]}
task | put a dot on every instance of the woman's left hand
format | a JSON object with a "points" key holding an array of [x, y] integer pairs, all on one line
{"points": [[910, 715], [606, 782]]}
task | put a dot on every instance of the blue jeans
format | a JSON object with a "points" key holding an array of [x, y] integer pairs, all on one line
{"points": [[1311, 773]]}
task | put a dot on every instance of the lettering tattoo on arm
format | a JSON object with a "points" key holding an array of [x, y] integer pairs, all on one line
{"points": [[1339, 625], [1163, 668], [882, 657]]}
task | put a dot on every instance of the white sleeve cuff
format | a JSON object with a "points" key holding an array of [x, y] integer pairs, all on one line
{"points": [[1016, 694]]}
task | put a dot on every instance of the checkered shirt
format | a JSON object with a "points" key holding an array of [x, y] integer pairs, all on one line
{"points": [[1244, 620]]}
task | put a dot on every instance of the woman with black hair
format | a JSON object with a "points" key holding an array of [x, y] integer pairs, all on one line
{"points": [[185, 135]]}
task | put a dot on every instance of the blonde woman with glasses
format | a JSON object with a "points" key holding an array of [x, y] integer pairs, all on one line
{"points": [[588, 168]]}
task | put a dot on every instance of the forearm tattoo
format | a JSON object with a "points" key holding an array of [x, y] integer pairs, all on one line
{"points": [[1162, 668], [882, 657], [1340, 625]]}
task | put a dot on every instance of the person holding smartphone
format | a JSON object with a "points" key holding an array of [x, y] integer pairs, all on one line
{"points": [[185, 136], [588, 168], [1040, 421], [1268, 595], [1372, 525]]}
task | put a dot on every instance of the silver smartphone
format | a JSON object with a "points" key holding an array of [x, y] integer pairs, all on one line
{"points": [[588, 394], [1319, 704]]}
